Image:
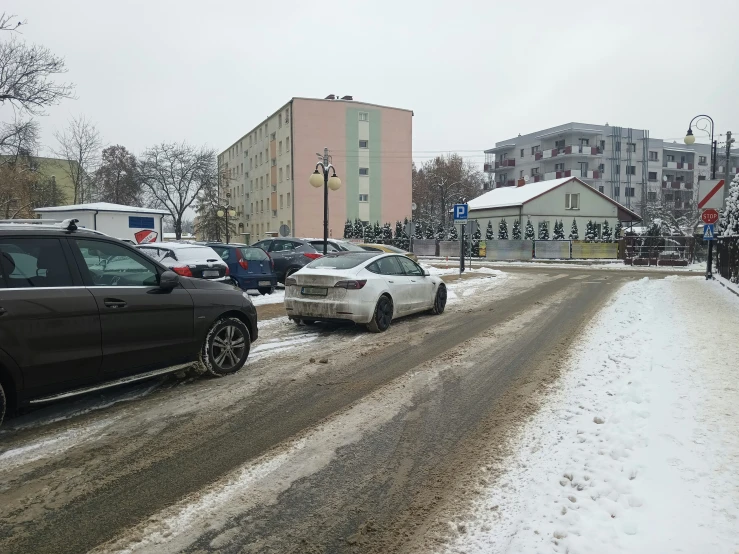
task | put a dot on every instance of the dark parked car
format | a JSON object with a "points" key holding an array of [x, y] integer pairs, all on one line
{"points": [[250, 267], [188, 260], [80, 311], [289, 254], [334, 245]]}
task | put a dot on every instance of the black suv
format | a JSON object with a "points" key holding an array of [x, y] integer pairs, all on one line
{"points": [[81, 311], [288, 254]]}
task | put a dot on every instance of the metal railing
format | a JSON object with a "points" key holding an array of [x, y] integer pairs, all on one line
{"points": [[727, 258]]}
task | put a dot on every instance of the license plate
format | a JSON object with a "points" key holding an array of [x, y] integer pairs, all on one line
{"points": [[207, 273], [265, 283], [314, 291]]}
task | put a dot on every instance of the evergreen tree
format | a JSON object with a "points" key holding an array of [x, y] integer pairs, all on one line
{"points": [[544, 230], [429, 232], [516, 234], [559, 230], [418, 231], [606, 233], [453, 233], [348, 230], [590, 234], [574, 233], [358, 229], [476, 238], [405, 241], [378, 232], [489, 234], [729, 223], [387, 234], [369, 234], [398, 238], [529, 235], [503, 230], [618, 232], [440, 232]]}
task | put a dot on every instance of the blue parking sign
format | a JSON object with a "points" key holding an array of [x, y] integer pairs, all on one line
{"points": [[460, 213]]}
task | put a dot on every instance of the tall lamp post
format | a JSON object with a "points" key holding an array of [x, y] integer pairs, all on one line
{"points": [[333, 182], [227, 211], [690, 139]]}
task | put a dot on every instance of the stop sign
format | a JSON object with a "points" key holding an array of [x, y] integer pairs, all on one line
{"points": [[709, 216]]}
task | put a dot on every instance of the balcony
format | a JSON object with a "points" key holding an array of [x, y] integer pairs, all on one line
{"points": [[685, 166], [502, 164], [572, 173], [581, 150], [508, 183], [673, 184], [721, 170]]}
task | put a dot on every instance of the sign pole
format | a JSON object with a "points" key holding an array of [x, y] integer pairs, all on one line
{"points": [[461, 252]]}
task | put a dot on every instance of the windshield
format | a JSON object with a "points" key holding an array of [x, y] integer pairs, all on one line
{"points": [[341, 261], [197, 254]]}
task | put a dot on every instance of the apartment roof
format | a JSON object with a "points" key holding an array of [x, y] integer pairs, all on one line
{"points": [[507, 197], [101, 207]]}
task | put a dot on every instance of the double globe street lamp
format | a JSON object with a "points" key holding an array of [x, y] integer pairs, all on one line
{"points": [[332, 182], [227, 211]]}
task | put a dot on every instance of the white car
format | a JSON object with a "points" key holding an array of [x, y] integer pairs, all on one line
{"points": [[189, 260], [364, 287]]}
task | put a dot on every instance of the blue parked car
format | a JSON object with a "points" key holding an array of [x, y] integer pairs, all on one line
{"points": [[249, 267]]}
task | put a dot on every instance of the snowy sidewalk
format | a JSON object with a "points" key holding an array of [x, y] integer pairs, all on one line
{"points": [[637, 449]]}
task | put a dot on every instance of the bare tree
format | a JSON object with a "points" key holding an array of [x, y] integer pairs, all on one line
{"points": [[26, 74], [117, 178], [209, 225], [10, 22], [80, 145], [18, 139], [175, 175]]}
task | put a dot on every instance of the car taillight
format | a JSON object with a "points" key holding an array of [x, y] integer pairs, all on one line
{"points": [[182, 270], [351, 285], [228, 271], [311, 255], [290, 281], [240, 258]]}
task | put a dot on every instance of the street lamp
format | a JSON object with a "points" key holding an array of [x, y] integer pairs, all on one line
{"points": [[333, 182], [690, 139], [227, 211]]}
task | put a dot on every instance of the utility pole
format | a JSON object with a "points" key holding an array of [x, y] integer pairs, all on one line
{"points": [[727, 168]]}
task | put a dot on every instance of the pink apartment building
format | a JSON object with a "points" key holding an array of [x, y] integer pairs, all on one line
{"points": [[267, 170]]}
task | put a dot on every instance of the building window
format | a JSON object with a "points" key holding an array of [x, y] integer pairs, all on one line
{"points": [[630, 192], [618, 145], [702, 160], [559, 167], [287, 172], [652, 196], [600, 189], [601, 168], [363, 116], [279, 148], [534, 149], [559, 144], [522, 152], [669, 197], [364, 170], [670, 158], [652, 175], [701, 177], [280, 175], [249, 140], [630, 170], [260, 158], [616, 191], [618, 169], [288, 201], [280, 201], [279, 121], [520, 174], [602, 146], [364, 197], [260, 133], [653, 156], [273, 136], [535, 171], [364, 144], [631, 146], [584, 142], [287, 144], [572, 201]]}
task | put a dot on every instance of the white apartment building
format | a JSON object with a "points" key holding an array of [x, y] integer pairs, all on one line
{"points": [[626, 164]]}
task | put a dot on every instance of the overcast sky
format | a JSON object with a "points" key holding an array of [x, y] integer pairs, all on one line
{"points": [[474, 72]]}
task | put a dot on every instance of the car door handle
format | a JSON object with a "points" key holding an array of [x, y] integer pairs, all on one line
{"points": [[114, 303]]}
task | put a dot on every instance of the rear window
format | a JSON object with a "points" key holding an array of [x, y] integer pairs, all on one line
{"points": [[341, 261], [254, 254], [154, 253], [349, 247], [394, 249], [196, 254]]}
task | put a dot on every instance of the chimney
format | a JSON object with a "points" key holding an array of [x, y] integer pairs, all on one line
{"points": [[330, 97], [347, 98], [520, 183]]}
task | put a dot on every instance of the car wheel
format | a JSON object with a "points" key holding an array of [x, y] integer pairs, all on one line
{"points": [[383, 315], [309, 321], [3, 403], [439, 301], [226, 347], [265, 290]]}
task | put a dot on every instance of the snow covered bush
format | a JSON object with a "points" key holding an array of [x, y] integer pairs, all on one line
{"points": [[453, 233], [530, 235], [369, 234], [574, 233], [590, 231], [417, 231], [476, 238], [544, 230], [516, 233], [441, 232], [503, 230], [559, 230], [489, 234], [398, 237], [387, 234], [348, 230], [618, 231], [606, 234], [730, 214], [429, 232]]}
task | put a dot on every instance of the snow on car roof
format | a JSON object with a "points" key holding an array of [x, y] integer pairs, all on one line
{"points": [[172, 245]]}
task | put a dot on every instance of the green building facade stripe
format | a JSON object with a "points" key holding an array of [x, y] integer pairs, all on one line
{"points": [[352, 164], [375, 166]]}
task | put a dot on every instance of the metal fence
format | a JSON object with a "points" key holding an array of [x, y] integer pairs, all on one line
{"points": [[645, 250], [727, 258]]}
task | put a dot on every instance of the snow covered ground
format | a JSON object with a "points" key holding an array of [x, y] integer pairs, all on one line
{"points": [[637, 447]]}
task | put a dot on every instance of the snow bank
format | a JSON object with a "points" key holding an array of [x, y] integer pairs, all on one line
{"points": [[638, 448], [277, 297]]}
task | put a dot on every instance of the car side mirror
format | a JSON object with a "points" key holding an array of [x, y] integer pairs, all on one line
{"points": [[168, 280], [426, 273]]}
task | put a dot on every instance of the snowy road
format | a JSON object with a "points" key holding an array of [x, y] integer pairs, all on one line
{"points": [[360, 453]]}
